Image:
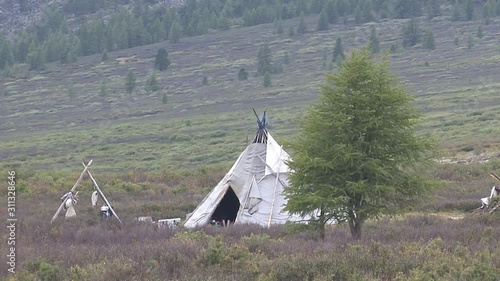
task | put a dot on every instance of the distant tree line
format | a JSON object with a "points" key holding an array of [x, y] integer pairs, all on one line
{"points": [[148, 21]]}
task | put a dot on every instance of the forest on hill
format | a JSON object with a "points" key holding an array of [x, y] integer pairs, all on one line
{"points": [[69, 29]]}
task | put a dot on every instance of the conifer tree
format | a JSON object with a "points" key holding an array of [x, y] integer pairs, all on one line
{"points": [[267, 79], [470, 41], [130, 81], [331, 12], [264, 60], [302, 28], [174, 36], [429, 42], [479, 32], [338, 51], [374, 42], [102, 88], [164, 98], [469, 10], [411, 33], [152, 83], [242, 74], [161, 59], [323, 21], [357, 156]]}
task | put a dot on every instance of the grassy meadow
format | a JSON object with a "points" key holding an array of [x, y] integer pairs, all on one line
{"points": [[161, 159]]}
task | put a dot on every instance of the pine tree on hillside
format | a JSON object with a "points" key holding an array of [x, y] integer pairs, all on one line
{"points": [[130, 81], [338, 51], [161, 59], [302, 28]]}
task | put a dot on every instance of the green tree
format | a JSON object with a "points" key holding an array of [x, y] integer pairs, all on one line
{"points": [[411, 33], [407, 8], [36, 57], [204, 81], [374, 42], [6, 52], [242, 74], [130, 81], [429, 41], [104, 56], [470, 41], [338, 51], [161, 59], [286, 58], [279, 27], [291, 32], [174, 36], [71, 92], [469, 10], [479, 32], [267, 79], [264, 60], [164, 98], [434, 9], [302, 28], [357, 154], [152, 83], [103, 90], [322, 22], [331, 13], [456, 12]]}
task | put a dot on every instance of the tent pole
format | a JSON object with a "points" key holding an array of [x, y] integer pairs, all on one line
{"points": [[242, 207], [275, 186], [96, 186], [72, 189]]}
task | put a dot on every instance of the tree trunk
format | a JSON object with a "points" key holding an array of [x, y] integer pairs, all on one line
{"points": [[355, 227], [322, 225]]}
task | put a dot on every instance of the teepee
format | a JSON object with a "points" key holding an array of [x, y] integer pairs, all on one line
{"points": [[252, 191]]}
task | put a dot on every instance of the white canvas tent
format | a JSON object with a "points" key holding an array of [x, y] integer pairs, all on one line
{"points": [[252, 190]]}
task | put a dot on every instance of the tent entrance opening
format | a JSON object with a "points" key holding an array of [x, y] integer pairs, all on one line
{"points": [[228, 208]]}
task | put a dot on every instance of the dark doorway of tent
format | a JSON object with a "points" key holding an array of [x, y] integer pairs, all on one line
{"points": [[227, 210]]}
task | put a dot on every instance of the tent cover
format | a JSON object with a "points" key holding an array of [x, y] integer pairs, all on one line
{"points": [[252, 191]]}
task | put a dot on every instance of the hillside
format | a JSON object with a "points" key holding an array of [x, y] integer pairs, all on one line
{"points": [[57, 116]]}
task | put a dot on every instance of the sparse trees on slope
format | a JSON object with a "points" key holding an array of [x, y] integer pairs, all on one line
{"points": [[433, 8], [357, 152], [411, 33], [6, 52]]}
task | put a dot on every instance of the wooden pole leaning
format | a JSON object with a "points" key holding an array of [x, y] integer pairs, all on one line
{"points": [[86, 167], [96, 186]]}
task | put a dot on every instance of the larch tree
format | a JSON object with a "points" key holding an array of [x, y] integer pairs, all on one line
{"points": [[161, 59], [358, 154], [130, 81]]}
